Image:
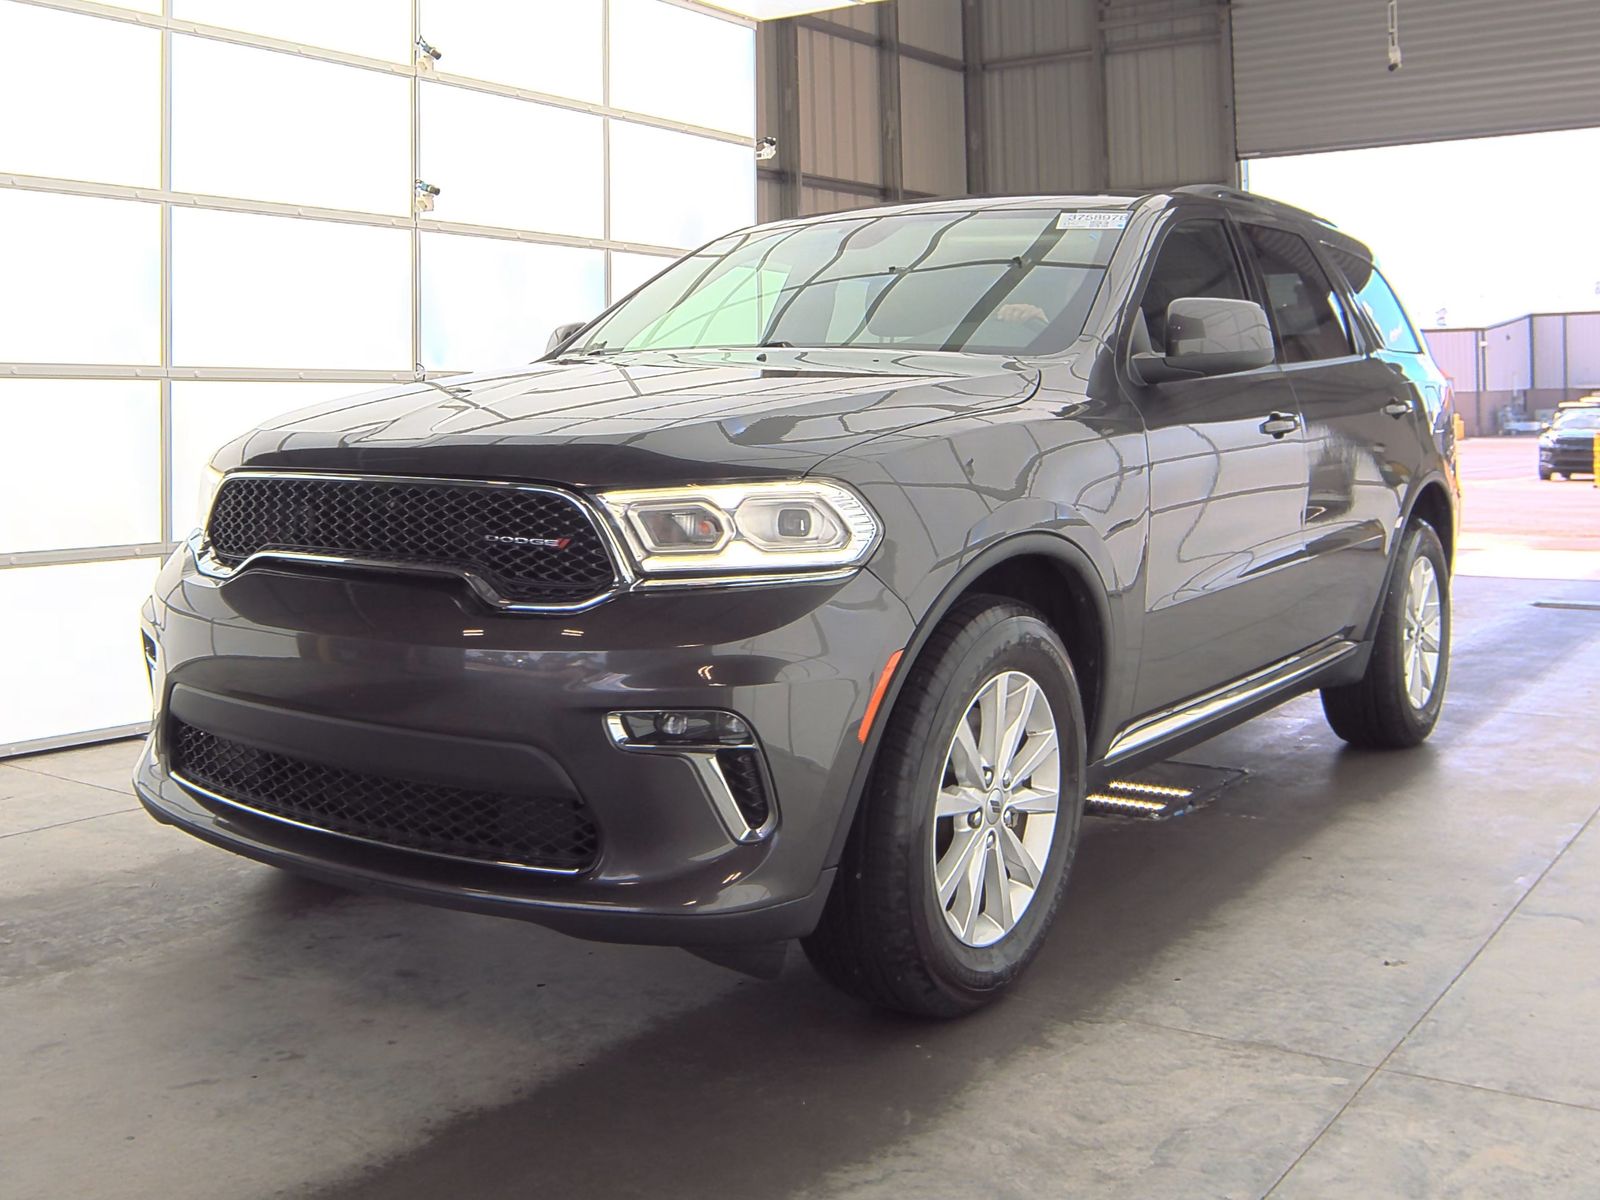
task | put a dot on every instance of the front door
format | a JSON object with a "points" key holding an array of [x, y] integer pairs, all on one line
{"points": [[1228, 479]]}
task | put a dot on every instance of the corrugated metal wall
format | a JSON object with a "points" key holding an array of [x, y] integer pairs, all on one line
{"points": [[1509, 357], [1527, 365], [1583, 350], [917, 98], [1043, 98], [1456, 352], [931, 97], [879, 101], [1313, 74]]}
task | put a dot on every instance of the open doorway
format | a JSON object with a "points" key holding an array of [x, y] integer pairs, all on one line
{"points": [[1492, 244]]}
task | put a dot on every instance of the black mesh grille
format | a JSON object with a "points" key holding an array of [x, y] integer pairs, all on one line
{"points": [[742, 770], [484, 826], [493, 531]]}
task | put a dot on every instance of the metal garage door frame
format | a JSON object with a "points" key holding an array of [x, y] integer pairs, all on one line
{"points": [[1312, 75]]}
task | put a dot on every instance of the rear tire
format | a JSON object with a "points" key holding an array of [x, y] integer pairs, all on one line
{"points": [[958, 857], [1396, 703]]}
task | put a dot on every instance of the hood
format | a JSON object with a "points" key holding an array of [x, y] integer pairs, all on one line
{"points": [[639, 419]]}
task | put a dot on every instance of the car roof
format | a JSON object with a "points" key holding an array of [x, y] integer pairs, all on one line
{"points": [[1245, 203]]}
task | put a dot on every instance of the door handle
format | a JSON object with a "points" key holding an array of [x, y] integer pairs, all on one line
{"points": [[1279, 424], [1397, 408]]}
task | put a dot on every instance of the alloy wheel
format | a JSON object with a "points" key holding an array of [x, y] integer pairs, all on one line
{"points": [[1421, 633], [996, 810]]}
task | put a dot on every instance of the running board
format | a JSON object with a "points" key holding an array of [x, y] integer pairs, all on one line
{"points": [[1209, 705], [1164, 790]]}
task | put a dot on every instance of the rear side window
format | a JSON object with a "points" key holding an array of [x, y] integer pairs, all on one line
{"points": [[1305, 308], [1196, 259], [1373, 293]]}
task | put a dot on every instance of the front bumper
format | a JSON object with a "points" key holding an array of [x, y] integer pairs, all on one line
{"points": [[413, 678], [1567, 458]]}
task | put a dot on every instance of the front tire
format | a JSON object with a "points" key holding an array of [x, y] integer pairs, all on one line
{"points": [[956, 864], [1397, 702]]}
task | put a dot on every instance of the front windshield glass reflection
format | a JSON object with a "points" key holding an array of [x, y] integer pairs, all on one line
{"points": [[991, 281]]}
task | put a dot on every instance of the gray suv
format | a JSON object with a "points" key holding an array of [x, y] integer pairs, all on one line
{"points": [[820, 587]]}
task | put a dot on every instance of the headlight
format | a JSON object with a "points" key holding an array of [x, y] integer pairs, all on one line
{"points": [[720, 529], [210, 481]]}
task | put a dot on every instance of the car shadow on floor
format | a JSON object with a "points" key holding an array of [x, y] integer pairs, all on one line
{"points": [[769, 1087], [765, 1090]]}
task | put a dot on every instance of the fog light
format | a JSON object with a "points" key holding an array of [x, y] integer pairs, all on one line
{"points": [[678, 729], [723, 750]]}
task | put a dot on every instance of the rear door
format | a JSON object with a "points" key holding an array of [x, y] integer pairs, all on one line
{"points": [[1359, 429], [1395, 341], [1224, 568]]}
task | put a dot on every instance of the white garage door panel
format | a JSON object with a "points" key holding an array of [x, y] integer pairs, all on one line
{"points": [[271, 260], [75, 667], [1313, 75]]}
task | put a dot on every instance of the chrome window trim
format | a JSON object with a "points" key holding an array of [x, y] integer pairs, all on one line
{"points": [[622, 571], [625, 574], [197, 789]]}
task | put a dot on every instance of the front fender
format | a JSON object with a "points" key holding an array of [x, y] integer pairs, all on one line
{"points": [[1062, 476]]}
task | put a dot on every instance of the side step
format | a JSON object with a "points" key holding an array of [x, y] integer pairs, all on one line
{"points": [[1167, 789]]}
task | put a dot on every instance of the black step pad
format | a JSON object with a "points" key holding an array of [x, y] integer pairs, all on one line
{"points": [[1166, 789]]}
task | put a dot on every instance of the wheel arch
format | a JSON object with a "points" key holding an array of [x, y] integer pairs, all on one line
{"points": [[1432, 504], [1045, 571]]}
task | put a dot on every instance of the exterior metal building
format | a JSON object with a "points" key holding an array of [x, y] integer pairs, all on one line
{"points": [[915, 98], [1526, 366], [1085, 95]]}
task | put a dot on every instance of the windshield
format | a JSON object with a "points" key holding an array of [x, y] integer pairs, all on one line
{"points": [[1578, 418], [991, 281]]}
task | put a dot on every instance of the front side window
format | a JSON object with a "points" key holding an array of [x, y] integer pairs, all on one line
{"points": [[1373, 293], [1001, 281], [1196, 259], [1305, 308], [1578, 418]]}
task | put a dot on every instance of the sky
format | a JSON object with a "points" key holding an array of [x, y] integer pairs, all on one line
{"points": [[1481, 230]]}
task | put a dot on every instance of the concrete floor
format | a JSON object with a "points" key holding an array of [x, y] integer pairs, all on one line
{"points": [[1353, 975]]}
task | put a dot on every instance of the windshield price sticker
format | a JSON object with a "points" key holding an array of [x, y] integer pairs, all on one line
{"points": [[1092, 220]]}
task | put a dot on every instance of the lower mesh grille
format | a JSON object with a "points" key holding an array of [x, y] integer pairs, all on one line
{"points": [[742, 770], [491, 827]]}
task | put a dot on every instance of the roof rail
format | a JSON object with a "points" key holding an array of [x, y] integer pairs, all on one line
{"points": [[1217, 191]]}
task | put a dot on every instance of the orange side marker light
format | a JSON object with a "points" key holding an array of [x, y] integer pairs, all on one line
{"points": [[877, 696]]}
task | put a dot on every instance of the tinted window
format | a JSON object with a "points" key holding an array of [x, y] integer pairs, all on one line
{"points": [[1305, 308], [1196, 259], [1375, 295]]}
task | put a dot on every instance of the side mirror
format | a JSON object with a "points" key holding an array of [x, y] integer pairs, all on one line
{"points": [[561, 335], [1209, 337]]}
